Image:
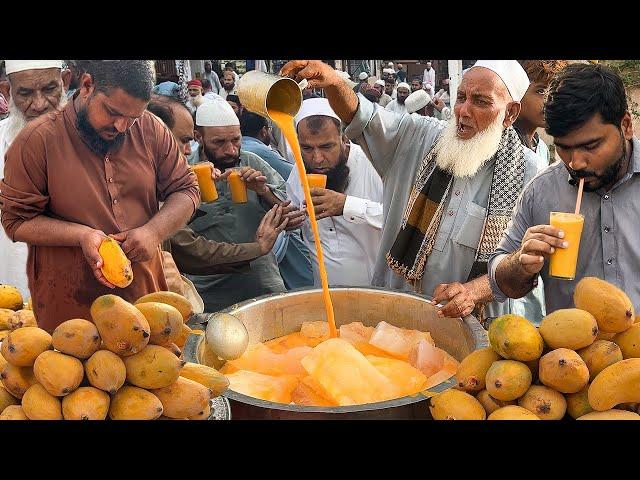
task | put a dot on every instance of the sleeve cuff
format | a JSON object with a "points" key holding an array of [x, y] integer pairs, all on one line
{"points": [[498, 294], [360, 120], [354, 209]]}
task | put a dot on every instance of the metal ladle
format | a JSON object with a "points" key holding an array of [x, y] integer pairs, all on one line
{"points": [[226, 336]]}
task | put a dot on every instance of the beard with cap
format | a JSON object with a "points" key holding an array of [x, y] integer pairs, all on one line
{"points": [[221, 163], [338, 176], [17, 120], [463, 158]]}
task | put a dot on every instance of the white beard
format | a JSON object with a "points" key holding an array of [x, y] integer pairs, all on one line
{"points": [[463, 158], [16, 120]]}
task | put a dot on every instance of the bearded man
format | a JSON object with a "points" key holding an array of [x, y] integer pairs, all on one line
{"points": [[349, 209], [34, 88], [397, 105], [449, 187], [100, 166]]}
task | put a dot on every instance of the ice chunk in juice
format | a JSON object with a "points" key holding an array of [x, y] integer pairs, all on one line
{"points": [[260, 358], [286, 343], [448, 370], [426, 358], [315, 332], [395, 340], [265, 387], [355, 332], [310, 393], [408, 380], [346, 375]]}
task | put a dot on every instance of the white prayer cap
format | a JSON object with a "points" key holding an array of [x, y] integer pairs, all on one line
{"points": [[315, 106], [216, 113], [13, 66], [405, 85], [390, 64], [511, 73], [417, 100], [388, 70], [363, 76], [344, 75], [379, 82]]}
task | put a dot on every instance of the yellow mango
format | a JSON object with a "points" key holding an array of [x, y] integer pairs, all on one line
{"points": [[507, 379], [491, 404], [105, 370], [618, 383], [17, 380], [170, 298], [164, 320], [569, 328], [38, 404], [544, 402], [203, 415], [610, 306], [455, 405], [153, 367], [122, 327], [563, 370], [13, 412], [7, 399], [133, 403], [60, 374], [22, 346], [512, 412], [182, 337], [10, 297], [76, 337], [599, 355], [5, 313], [207, 376], [183, 399], [610, 415], [86, 403], [578, 403], [515, 338], [629, 341], [116, 267], [22, 318], [472, 371]]}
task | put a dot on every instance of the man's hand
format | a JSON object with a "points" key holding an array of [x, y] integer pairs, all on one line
{"points": [[270, 227], [219, 176], [254, 180], [294, 215], [460, 297], [90, 244], [539, 242], [327, 203], [138, 244], [438, 104], [319, 74]]}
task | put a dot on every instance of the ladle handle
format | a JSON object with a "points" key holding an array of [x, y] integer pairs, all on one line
{"points": [[303, 84]]}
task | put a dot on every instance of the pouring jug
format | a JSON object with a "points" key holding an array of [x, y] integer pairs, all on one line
{"points": [[260, 92]]}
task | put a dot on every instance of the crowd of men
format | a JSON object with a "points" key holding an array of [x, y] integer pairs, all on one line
{"points": [[449, 202]]}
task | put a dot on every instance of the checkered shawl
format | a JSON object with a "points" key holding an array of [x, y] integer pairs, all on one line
{"points": [[423, 214]]}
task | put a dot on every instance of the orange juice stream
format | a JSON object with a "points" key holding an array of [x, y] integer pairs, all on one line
{"points": [[285, 123]]}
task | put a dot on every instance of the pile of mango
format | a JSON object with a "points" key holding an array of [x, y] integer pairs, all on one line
{"points": [[13, 312], [125, 364], [581, 362]]}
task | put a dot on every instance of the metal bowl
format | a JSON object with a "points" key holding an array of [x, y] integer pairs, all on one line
{"points": [[276, 315]]}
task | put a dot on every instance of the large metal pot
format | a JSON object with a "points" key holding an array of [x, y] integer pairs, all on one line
{"points": [[277, 315]]}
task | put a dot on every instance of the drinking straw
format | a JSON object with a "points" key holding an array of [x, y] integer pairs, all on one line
{"points": [[579, 199]]}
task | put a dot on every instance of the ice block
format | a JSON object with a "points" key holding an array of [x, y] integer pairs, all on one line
{"points": [[355, 332], [395, 340], [261, 359], [426, 358], [265, 387], [310, 393], [408, 380], [346, 375]]}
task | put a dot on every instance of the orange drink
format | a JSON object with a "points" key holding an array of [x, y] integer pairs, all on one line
{"points": [[317, 180], [203, 171], [562, 263], [238, 187]]}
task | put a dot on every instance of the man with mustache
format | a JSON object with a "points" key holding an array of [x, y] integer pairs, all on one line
{"points": [[397, 105], [33, 87], [587, 114], [100, 166], [449, 188], [349, 209]]}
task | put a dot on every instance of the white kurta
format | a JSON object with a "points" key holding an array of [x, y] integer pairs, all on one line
{"points": [[13, 256], [350, 242]]}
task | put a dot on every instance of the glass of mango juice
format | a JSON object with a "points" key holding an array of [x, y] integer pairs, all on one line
{"points": [[562, 263]]}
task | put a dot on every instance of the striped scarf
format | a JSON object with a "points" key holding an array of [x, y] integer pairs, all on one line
{"points": [[423, 214]]}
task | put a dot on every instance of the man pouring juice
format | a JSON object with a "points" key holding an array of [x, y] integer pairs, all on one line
{"points": [[586, 112]]}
